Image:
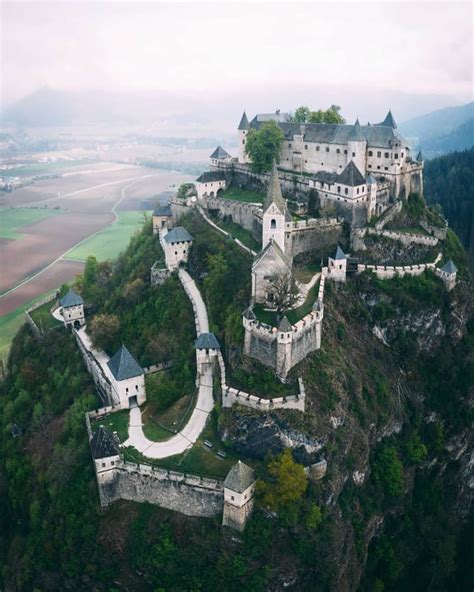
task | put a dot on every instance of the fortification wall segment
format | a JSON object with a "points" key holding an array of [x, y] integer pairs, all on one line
{"points": [[315, 235], [390, 271], [37, 331], [405, 238], [388, 215], [244, 214], [191, 495]]}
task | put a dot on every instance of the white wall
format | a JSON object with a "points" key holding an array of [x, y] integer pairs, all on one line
{"points": [[132, 387], [205, 189], [72, 314], [176, 253], [238, 499]]}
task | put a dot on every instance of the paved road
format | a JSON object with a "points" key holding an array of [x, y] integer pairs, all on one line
{"points": [[204, 404]]}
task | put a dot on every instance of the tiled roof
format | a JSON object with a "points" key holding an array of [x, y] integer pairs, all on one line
{"points": [[239, 478], [389, 120], [72, 298], [163, 210], [274, 195], [449, 267], [277, 116], [273, 246], [340, 254], [178, 235], [210, 176], [244, 122], [419, 157], [207, 341], [219, 152], [356, 133], [123, 365], [103, 444], [351, 176], [285, 325]]}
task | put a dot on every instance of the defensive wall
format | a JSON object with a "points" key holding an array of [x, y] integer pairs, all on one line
{"points": [[391, 271], [37, 331]]}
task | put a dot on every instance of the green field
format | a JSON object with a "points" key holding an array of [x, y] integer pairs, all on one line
{"points": [[242, 195], [43, 318], [110, 241], [11, 322], [39, 168], [13, 219]]}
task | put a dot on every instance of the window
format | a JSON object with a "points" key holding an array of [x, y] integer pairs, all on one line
{"points": [[396, 156], [379, 154], [322, 164], [306, 161], [345, 151], [339, 189], [103, 464], [112, 462], [327, 148], [369, 166], [338, 151], [378, 168], [322, 185], [273, 224], [317, 148], [232, 497], [402, 154], [387, 154], [346, 191], [289, 145], [126, 390], [371, 153], [243, 141], [353, 154], [386, 168], [357, 191], [306, 146]]}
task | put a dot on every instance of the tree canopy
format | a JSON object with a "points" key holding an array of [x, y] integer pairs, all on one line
{"points": [[287, 482], [304, 114], [263, 146]]}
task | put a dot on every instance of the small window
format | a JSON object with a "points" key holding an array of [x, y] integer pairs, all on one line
{"points": [[370, 153], [357, 191], [338, 151], [232, 497], [322, 164], [289, 145], [273, 224], [339, 189], [317, 148], [103, 464], [369, 166], [353, 154], [386, 168], [327, 148], [243, 141], [402, 154], [306, 146], [346, 191], [345, 151], [395, 156], [378, 168], [136, 387], [306, 161], [126, 390], [112, 462], [379, 154], [387, 154]]}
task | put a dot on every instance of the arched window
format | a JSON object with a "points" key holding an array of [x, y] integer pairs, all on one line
{"points": [[273, 223]]}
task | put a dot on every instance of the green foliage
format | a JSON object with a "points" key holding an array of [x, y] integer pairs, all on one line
{"points": [[314, 517], [263, 146], [415, 450], [330, 115], [286, 483], [388, 471], [104, 331]]}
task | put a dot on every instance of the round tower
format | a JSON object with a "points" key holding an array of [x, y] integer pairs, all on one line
{"points": [[243, 130]]}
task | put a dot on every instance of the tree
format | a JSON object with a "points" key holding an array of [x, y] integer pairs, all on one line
{"points": [[301, 115], [287, 482], [263, 146], [331, 115], [104, 332], [388, 471], [283, 292]]}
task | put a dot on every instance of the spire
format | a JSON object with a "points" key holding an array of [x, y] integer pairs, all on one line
{"points": [[274, 194], [356, 133], [244, 122], [389, 120], [419, 158]]}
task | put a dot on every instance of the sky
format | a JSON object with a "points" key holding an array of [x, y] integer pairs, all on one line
{"points": [[214, 49]]}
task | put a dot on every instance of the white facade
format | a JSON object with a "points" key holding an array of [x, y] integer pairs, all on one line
{"points": [[73, 314], [160, 222], [210, 188], [273, 227], [239, 499], [130, 391], [177, 253]]}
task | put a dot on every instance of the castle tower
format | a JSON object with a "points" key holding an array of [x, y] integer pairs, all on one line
{"points": [[448, 274], [127, 378], [207, 347], [371, 197], [72, 309], [239, 486], [357, 147], [106, 454], [284, 347], [243, 130], [337, 266], [275, 212]]}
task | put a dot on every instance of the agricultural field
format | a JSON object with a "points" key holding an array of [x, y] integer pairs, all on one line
{"points": [[12, 220], [41, 168]]}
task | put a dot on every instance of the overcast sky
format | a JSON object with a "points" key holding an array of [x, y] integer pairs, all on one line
{"points": [[423, 48]]}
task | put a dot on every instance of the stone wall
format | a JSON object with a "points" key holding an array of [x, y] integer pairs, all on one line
{"points": [[405, 238], [246, 215], [315, 235], [188, 494], [37, 332], [390, 271], [388, 215]]}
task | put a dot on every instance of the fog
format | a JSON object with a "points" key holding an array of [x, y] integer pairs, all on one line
{"points": [[413, 57]]}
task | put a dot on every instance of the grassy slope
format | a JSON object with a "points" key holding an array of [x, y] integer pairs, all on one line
{"points": [[13, 219], [242, 195], [110, 241]]}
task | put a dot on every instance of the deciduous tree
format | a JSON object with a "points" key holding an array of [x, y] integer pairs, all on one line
{"points": [[263, 146]]}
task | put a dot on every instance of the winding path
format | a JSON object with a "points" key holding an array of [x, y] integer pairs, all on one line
{"points": [[204, 404]]}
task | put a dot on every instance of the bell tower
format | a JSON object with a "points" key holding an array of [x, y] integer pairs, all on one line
{"points": [[243, 130], [275, 212]]}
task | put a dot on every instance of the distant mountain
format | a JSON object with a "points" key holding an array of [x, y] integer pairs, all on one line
{"points": [[442, 131]]}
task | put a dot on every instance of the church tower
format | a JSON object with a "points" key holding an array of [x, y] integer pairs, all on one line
{"points": [[275, 212], [243, 130]]}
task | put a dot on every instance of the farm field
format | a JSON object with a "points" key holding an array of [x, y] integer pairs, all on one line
{"points": [[41, 168], [12, 220], [110, 241]]}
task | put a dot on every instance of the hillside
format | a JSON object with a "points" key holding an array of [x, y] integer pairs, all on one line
{"points": [[394, 422], [449, 182], [441, 131]]}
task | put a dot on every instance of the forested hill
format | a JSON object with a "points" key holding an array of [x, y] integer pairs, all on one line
{"points": [[449, 182]]}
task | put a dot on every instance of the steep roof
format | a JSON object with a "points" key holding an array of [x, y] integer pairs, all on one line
{"points": [[389, 120], [239, 478], [163, 210], [356, 133], [351, 176], [277, 116], [249, 314], [275, 247], [371, 179], [72, 298], [123, 365], [274, 195], [419, 157], [210, 176], [449, 267], [244, 122], [285, 325], [207, 341], [178, 235], [219, 152], [340, 254], [103, 444]]}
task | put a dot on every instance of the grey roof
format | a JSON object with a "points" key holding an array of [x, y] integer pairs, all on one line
{"points": [[273, 245], [210, 176], [103, 444], [318, 304], [340, 254], [389, 120], [356, 133], [16, 430], [178, 235], [274, 194], [219, 152], [277, 116], [371, 179], [163, 211], [351, 176], [249, 314], [285, 325], [207, 341], [244, 122], [72, 298], [239, 478], [377, 136], [419, 157], [449, 267], [123, 365]]}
